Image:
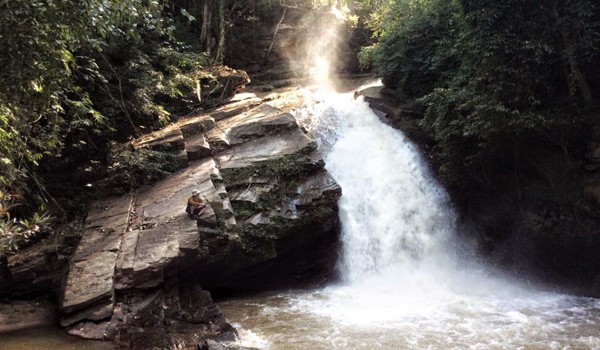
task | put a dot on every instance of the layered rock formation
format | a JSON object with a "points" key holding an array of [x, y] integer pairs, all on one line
{"points": [[141, 272]]}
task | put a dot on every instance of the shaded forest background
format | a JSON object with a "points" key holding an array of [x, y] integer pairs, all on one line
{"points": [[502, 95]]}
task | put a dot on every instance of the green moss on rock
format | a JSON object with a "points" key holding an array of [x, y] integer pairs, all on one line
{"points": [[291, 167]]}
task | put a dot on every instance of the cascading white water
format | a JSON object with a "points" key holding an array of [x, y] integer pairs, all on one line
{"points": [[392, 211], [407, 283], [398, 228]]}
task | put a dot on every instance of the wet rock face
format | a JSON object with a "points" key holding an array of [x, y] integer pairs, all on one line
{"points": [[141, 272]]}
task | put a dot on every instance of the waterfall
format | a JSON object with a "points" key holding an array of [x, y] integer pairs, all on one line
{"points": [[399, 240], [407, 282], [394, 214]]}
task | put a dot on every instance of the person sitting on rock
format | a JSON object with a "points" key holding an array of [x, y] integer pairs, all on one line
{"points": [[195, 205]]}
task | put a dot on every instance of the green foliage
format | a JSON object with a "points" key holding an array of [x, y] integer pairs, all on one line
{"points": [[488, 73], [144, 85], [43, 106], [414, 52], [244, 210], [134, 168], [16, 233], [78, 75]]}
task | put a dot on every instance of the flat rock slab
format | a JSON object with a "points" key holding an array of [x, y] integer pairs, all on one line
{"points": [[91, 274], [156, 249], [97, 240], [165, 201], [195, 124], [145, 254], [125, 260], [113, 213], [89, 281], [241, 97], [287, 99], [141, 255], [256, 122], [170, 137], [235, 108], [265, 148]]}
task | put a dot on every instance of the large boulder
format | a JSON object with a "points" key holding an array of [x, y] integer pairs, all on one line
{"points": [[141, 272], [221, 84]]}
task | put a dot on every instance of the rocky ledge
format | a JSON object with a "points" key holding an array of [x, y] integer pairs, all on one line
{"points": [[142, 269]]}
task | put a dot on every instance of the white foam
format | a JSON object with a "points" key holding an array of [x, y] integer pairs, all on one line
{"points": [[250, 339], [401, 262]]}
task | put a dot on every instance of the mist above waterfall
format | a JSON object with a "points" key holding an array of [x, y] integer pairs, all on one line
{"points": [[316, 52]]}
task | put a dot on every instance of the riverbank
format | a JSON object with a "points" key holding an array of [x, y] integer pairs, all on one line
{"points": [[22, 314], [48, 338]]}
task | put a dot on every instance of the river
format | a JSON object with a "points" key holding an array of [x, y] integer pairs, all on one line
{"points": [[408, 282]]}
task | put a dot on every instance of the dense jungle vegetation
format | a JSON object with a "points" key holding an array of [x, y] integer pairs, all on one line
{"points": [[505, 90], [492, 78], [80, 76]]}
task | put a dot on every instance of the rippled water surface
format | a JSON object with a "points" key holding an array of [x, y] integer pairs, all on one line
{"points": [[313, 320]]}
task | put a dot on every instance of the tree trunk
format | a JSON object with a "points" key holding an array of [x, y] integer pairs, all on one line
{"points": [[254, 14], [220, 54], [575, 67], [275, 33], [206, 24]]}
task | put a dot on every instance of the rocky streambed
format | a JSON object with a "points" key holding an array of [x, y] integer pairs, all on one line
{"points": [[142, 272]]}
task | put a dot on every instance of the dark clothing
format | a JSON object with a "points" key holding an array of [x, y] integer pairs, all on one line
{"points": [[195, 206], [192, 211]]}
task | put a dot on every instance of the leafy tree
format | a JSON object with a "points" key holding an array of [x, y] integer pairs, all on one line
{"points": [[77, 75], [40, 101], [490, 74], [414, 52]]}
